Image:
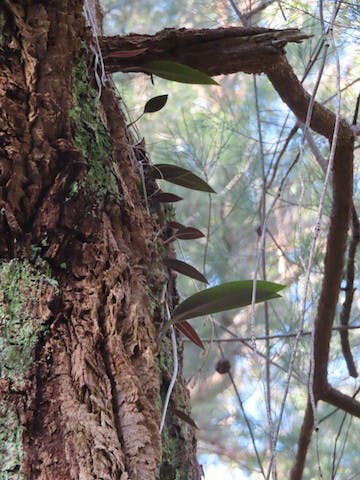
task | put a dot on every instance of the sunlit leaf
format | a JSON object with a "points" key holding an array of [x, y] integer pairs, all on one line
{"points": [[127, 53], [185, 417], [185, 269], [165, 197], [224, 297], [180, 176], [177, 72], [186, 329], [155, 104]]}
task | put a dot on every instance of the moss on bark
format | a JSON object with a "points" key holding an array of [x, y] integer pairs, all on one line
{"points": [[91, 136], [21, 289]]}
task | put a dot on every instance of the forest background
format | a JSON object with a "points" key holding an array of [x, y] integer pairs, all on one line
{"points": [[266, 169]]}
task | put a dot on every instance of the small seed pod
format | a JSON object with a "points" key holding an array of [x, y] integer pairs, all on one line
{"points": [[223, 366]]}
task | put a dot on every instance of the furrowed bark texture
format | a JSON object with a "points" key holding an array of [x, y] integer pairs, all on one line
{"points": [[88, 405]]}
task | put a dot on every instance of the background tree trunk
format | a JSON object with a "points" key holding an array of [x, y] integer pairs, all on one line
{"points": [[81, 276]]}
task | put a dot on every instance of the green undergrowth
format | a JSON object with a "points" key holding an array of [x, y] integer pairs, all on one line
{"points": [[21, 287], [91, 136]]}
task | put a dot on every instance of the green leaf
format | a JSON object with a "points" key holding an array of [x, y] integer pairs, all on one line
{"points": [[180, 176], [177, 72], [186, 329], [155, 104], [224, 297], [185, 269]]}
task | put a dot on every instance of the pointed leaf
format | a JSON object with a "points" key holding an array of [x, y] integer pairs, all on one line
{"points": [[177, 72], [126, 53], [186, 329], [155, 104], [224, 297], [188, 233], [165, 197], [185, 269], [180, 176], [185, 417], [175, 225]]}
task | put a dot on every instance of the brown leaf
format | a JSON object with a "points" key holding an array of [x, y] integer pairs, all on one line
{"points": [[175, 225], [188, 233], [185, 417], [155, 104], [165, 197], [185, 269], [186, 329]]}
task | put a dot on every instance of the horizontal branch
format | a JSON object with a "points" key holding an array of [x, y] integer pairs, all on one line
{"points": [[212, 51], [341, 400], [271, 337]]}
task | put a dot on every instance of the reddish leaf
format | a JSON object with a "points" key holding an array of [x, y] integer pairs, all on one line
{"points": [[185, 269], [175, 225], [180, 176], [185, 417], [186, 329], [126, 53], [165, 197], [155, 104], [189, 233]]}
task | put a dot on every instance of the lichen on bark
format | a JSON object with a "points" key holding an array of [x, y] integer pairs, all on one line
{"points": [[10, 443], [21, 321], [91, 136]]}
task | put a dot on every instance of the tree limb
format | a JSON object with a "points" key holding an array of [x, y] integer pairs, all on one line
{"points": [[349, 295], [212, 51], [303, 443]]}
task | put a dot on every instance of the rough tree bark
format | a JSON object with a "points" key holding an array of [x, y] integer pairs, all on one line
{"points": [[82, 374]]}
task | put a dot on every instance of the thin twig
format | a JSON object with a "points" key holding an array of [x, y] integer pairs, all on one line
{"points": [[243, 412], [174, 373], [335, 464], [262, 213], [271, 337]]}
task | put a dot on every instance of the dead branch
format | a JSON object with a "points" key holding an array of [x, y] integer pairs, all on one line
{"points": [[212, 51]]}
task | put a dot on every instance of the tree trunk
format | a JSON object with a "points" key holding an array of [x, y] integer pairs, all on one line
{"points": [[82, 377]]}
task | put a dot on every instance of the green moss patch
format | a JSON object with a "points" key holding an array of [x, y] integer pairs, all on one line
{"points": [[21, 287], [91, 136]]}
